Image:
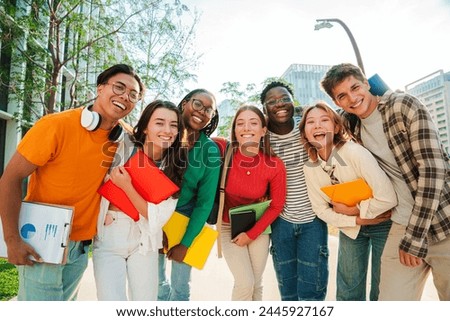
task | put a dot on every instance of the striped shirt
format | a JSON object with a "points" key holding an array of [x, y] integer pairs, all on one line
{"points": [[297, 208]]}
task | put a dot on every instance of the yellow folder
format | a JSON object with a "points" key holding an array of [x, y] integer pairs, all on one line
{"points": [[200, 249], [348, 193]]}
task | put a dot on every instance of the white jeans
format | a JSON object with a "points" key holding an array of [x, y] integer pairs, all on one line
{"points": [[247, 264], [399, 282], [117, 259]]}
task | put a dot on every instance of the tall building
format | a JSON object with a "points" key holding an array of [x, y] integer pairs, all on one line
{"points": [[306, 82], [227, 111], [434, 91]]}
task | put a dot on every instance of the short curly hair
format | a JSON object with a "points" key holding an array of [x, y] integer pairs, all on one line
{"points": [[274, 84]]}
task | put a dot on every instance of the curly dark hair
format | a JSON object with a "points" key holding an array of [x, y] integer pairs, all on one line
{"points": [[212, 125], [274, 84]]}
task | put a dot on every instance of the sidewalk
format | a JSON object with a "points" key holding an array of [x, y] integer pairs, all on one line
{"points": [[216, 275]]}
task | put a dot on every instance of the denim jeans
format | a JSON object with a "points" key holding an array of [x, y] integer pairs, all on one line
{"points": [[178, 288], [54, 282], [300, 258], [353, 262]]}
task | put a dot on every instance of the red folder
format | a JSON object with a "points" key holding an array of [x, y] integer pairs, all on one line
{"points": [[148, 180]]}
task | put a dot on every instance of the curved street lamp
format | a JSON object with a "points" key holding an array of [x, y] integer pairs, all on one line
{"points": [[327, 23]]}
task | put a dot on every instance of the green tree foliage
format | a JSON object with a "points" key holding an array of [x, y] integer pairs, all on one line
{"points": [[235, 96], [63, 44], [161, 46]]}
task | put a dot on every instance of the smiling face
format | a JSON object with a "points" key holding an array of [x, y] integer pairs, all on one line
{"points": [[354, 97], [279, 106], [161, 131], [112, 106], [195, 119], [319, 130], [248, 129]]}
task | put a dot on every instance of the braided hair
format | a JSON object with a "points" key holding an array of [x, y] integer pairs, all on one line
{"points": [[212, 125]]}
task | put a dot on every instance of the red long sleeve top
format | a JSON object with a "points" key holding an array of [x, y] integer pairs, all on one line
{"points": [[248, 179]]}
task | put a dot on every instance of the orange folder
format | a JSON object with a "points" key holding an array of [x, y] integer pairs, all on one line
{"points": [[148, 180], [348, 193], [198, 252]]}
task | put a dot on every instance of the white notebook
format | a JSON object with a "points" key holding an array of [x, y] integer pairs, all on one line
{"points": [[46, 227]]}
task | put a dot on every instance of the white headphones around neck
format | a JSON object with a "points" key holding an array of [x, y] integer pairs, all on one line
{"points": [[92, 120]]}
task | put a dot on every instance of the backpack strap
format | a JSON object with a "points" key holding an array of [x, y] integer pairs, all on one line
{"points": [[222, 143], [226, 164]]}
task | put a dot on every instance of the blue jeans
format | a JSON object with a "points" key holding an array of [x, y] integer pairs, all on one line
{"points": [[54, 282], [179, 288], [300, 258], [353, 262]]}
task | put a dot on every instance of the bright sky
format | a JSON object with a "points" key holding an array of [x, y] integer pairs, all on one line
{"points": [[248, 41]]}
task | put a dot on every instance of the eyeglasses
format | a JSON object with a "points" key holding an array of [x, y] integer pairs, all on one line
{"points": [[119, 89], [198, 106], [274, 102]]}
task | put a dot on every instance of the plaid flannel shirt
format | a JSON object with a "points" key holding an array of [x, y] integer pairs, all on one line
{"points": [[413, 138]]}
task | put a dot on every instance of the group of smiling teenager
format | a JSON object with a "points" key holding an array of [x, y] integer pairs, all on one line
{"points": [[402, 227], [268, 156], [274, 156]]}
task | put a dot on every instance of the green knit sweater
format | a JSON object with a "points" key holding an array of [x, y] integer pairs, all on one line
{"points": [[199, 185]]}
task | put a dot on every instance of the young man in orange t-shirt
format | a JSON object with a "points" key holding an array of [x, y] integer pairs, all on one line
{"points": [[67, 155]]}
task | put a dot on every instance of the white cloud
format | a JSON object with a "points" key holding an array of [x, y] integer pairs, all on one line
{"points": [[248, 41]]}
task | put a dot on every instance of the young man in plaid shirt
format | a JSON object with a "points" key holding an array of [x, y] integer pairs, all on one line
{"points": [[397, 128]]}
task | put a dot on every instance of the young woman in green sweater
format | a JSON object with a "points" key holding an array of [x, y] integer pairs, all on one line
{"points": [[200, 119]]}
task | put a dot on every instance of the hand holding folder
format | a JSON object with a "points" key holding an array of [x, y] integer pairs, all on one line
{"points": [[242, 223], [148, 180], [348, 193], [46, 227], [200, 248]]}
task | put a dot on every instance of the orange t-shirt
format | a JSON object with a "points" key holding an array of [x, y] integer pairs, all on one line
{"points": [[72, 164]]}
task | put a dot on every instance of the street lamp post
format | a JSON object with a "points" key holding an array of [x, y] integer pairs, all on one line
{"points": [[327, 23]]}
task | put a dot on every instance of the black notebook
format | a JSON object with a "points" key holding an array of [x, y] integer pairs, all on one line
{"points": [[242, 222]]}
